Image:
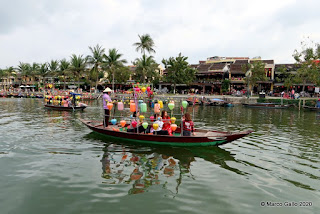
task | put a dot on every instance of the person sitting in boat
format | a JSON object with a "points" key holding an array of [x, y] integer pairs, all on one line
{"points": [[166, 122], [159, 130], [187, 125]]}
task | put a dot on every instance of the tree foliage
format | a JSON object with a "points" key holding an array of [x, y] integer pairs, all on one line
{"points": [[255, 72], [145, 44], [178, 70], [146, 69]]}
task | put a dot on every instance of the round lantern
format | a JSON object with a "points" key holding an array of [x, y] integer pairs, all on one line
{"points": [[155, 126], [161, 103], [145, 125], [171, 105], [123, 123], [143, 89], [184, 104], [110, 105], [134, 124], [114, 121], [141, 117], [173, 119], [174, 127]]}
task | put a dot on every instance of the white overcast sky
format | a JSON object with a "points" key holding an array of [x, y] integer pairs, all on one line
{"points": [[41, 30]]}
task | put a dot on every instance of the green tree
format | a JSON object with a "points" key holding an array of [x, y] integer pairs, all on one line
{"points": [[53, 67], [146, 68], [63, 71], [121, 75], [77, 66], [112, 62], [96, 59], [286, 77], [24, 70], [255, 72], [145, 44], [43, 72], [178, 70], [309, 67]]}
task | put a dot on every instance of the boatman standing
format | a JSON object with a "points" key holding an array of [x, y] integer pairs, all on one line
{"points": [[106, 98]]}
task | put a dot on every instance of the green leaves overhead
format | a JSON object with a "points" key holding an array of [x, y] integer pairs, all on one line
{"points": [[145, 44]]}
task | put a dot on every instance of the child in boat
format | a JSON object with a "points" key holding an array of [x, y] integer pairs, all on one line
{"points": [[157, 121], [187, 125]]}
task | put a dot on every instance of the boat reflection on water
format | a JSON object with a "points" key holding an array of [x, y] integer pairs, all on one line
{"points": [[143, 166]]}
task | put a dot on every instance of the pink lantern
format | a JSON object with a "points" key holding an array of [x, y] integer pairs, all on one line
{"points": [[134, 124], [152, 118], [148, 88]]}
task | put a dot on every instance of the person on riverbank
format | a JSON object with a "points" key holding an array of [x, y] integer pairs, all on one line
{"points": [[106, 98], [188, 126]]}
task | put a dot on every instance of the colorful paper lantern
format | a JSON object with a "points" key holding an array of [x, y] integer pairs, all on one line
{"points": [[157, 108], [173, 127], [161, 103], [141, 117], [148, 88], [143, 107], [134, 124], [114, 121], [145, 125], [151, 118], [173, 119], [171, 105], [110, 105], [143, 89], [120, 106], [132, 107], [123, 123], [184, 104], [155, 126]]}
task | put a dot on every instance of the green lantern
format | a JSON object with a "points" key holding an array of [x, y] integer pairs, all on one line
{"points": [[184, 104], [171, 106], [143, 107], [145, 125]]}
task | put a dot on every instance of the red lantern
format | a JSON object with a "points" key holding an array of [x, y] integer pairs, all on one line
{"points": [[134, 124]]}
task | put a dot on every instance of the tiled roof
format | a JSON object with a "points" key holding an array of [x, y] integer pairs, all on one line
{"points": [[236, 69]]}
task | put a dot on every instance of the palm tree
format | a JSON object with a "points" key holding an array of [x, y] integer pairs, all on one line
{"points": [[24, 69], [63, 70], [113, 61], [145, 68], [43, 71], [77, 66], [146, 44], [96, 60]]}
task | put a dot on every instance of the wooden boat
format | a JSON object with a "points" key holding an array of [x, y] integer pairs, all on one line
{"points": [[216, 102], [62, 108], [311, 108], [266, 105], [202, 137]]}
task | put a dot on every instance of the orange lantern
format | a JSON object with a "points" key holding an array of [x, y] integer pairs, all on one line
{"points": [[157, 108], [123, 123], [132, 107], [174, 127], [110, 105]]}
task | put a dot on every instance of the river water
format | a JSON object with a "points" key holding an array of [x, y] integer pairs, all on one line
{"points": [[51, 163]]}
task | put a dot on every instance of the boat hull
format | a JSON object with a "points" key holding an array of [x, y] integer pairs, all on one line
{"points": [[221, 138], [311, 108], [62, 108], [266, 105]]}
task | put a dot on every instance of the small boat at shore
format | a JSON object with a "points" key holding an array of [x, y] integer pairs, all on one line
{"points": [[311, 108], [201, 138], [63, 108], [266, 105], [216, 102]]}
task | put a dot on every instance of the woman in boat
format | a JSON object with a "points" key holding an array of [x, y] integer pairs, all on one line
{"points": [[166, 122], [187, 125]]}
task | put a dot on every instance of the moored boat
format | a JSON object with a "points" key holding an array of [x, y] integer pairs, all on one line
{"points": [[266, 105], [311, 108], [63, 108], [201, 138]]}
